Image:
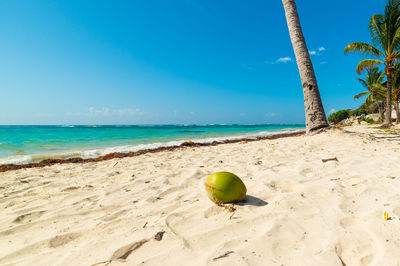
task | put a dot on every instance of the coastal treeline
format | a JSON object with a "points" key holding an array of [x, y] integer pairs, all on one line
{"points": [[381, 70]]}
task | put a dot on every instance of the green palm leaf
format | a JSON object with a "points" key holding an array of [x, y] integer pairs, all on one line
{"points": [[367, 63], [363, 48], [363, 83], [362, 94], [378, 90], [375, 29]]}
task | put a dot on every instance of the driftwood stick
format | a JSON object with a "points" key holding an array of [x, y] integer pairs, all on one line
{"points": [[330, 159]]}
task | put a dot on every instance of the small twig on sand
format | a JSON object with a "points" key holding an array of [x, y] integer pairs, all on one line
{"points": [[223, 255], [115, 164], [144, 226], [330, 159], [230, 209]]}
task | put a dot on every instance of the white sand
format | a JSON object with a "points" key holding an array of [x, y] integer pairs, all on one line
{"points": [[300, 211]]}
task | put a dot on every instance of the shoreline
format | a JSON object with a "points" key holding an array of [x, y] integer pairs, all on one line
{"points": [[327, 198], [50, 161]]}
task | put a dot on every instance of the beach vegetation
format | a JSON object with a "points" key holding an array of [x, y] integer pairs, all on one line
{"points": [[339, 116], [358, 112], [396, 92], [385, 34], [375, 90], [369, 120]]}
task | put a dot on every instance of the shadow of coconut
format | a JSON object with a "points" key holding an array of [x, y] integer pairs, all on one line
{"points": [[252, 201]]}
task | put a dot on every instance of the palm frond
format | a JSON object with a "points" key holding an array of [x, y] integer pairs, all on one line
{"points": [[378, 88], [363, 83], [363, 48], [362, 94], [376, 31], [396, 38], [381, 76], [366, 64]]}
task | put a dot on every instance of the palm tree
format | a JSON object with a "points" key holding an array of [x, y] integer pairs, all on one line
{"points": [[385, 34], [396, 91], [375, 90], [315, 114]]}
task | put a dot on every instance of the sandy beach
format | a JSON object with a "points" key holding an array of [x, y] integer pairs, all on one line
{"points": [[152, 209]]}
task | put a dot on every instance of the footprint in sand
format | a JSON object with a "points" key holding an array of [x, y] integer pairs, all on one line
{"points": [[173, 221], [357, 245], [61, 240], [28, 217]]}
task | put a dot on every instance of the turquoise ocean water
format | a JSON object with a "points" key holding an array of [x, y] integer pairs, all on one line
{"points": [[25, 144]]}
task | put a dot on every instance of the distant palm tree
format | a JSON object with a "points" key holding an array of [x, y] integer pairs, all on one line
{"points": [[396, 91], [385, 34], [375, 90], [315, 114]]}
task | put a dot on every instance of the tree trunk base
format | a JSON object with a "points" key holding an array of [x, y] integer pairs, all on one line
{"points": [[386, 126], [320, 130]]}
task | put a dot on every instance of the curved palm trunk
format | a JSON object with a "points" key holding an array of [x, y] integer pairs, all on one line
{"points": [[388, 114], [396, 107], [315, 114]]}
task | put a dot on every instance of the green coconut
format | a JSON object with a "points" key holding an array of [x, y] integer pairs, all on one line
{"points": [[225, 187]]}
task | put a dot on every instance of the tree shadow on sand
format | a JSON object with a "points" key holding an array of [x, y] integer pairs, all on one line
{"points": [[252, 201]]}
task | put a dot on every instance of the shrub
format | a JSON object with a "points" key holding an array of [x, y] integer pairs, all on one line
{"points": [[358, 112], [369, 120], [338, 116]]}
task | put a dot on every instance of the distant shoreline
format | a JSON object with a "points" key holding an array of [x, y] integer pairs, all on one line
{"points": [[49, 162], [33, 144]]}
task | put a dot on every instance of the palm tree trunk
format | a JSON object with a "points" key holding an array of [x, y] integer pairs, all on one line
{"points": [[388, 114], [315, 114], [380, 111], [396, 107]]}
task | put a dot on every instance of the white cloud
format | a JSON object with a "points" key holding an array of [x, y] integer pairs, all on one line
{"points": [[320, 49], [99, 112], [104, 111], [332, 111], [284, 60], [271, 114], [127, 112]]}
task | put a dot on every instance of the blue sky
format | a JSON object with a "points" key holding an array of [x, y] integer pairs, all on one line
{"points": [[168, 62]]}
